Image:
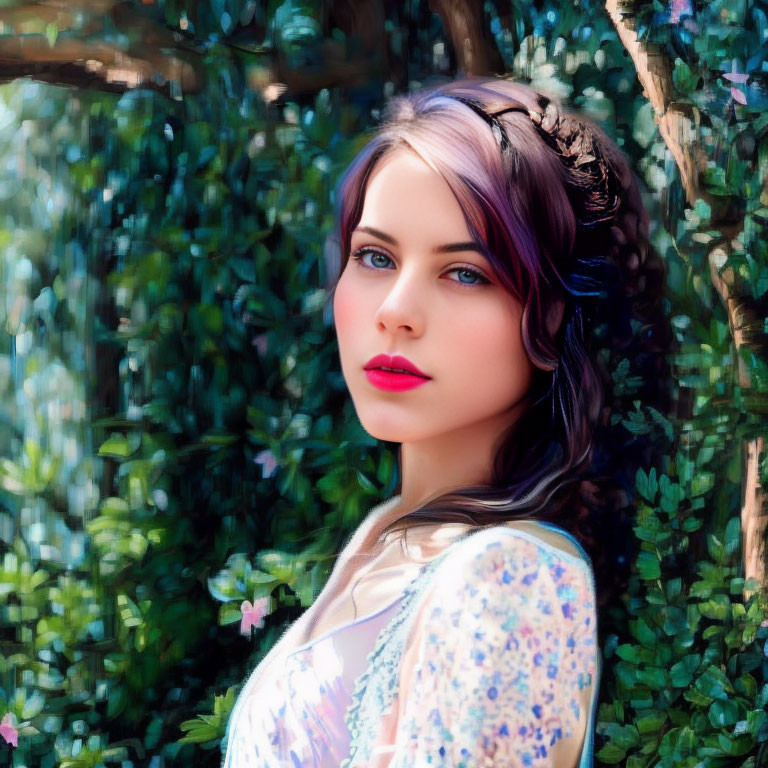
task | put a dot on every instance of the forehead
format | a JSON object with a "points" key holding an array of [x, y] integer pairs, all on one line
{"points": [[404, 195]]}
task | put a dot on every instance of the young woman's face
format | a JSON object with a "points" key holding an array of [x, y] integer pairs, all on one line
{"points": [[408, 295]]}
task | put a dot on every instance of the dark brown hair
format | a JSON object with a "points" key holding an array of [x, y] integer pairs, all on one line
{"points": [[556, 205]]}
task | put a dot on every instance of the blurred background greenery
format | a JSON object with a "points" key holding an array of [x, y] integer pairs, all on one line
{"points": [[176, 434]]}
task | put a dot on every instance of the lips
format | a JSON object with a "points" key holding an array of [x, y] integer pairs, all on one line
{"points": [[396, 363]]}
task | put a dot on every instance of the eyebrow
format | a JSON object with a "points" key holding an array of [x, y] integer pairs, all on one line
{"points": [[447, 248]]}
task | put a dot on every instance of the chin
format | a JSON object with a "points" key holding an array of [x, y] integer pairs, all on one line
{"points": [[386, 430], [387, 434]]}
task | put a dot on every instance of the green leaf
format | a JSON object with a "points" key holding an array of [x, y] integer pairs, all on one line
{"points": [[33, 706], [647, 485], [756, 720], [723, 713], [118, 700], [674, 588], [628, 652], [671, 495], [714, 181], [703, 209], [714, 683], [153, 733], [746, 685], [716, 549], [675, 621], [651, 722], [223, 705], [691, 524], [611, 754], [648, 566], [118, 446], [198, 732], [684, 78], [51, 33], [681, 674], [697, 698], [645, 635], [644, 127], [364, 482], [229, 613], [654, 677], [718, 607], [733, 536]]}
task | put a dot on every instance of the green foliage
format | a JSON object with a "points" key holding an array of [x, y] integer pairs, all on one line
{"points": [[178, 436], [687, 672], [208, 730], [692, 660]]}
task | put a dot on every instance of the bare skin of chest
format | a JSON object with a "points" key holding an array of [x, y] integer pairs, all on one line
{"points": [[376, 579]]}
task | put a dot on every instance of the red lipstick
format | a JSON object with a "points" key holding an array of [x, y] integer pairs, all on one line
{"points": [[403, 374]]}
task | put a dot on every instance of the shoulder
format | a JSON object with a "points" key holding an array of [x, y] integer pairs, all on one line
{"points": [[502, 554], [504, 651], [505, 580]]}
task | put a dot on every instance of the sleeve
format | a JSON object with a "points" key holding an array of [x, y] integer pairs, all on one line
{"points": [[500, 664]]}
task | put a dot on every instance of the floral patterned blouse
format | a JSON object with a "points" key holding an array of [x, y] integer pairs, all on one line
{"points": [[489, 658]]}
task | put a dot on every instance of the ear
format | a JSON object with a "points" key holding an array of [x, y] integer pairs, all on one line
{"points": [[555, 316]]}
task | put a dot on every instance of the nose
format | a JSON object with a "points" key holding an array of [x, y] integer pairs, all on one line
{"points": [[401, 307]]}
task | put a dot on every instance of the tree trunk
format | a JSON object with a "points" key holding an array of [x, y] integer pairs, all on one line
{"points": [[679, 129]]}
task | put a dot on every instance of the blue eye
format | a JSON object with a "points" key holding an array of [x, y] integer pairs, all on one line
{"points": [[358, 256], [480, 278]]}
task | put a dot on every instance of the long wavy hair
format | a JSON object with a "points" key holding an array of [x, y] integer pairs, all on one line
{"points": [[556, 206]]}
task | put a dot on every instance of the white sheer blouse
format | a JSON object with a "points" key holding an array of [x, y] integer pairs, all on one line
{"points": [[463, 650]]}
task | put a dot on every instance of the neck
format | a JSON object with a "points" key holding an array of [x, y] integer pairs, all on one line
{"points": [[447, 462]]}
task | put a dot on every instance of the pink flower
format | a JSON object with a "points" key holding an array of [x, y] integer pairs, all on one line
{"points": [[253, 615], [737, 95], [679, 8], [737, 77], [261, 343], [268, 463], [8, 731]]}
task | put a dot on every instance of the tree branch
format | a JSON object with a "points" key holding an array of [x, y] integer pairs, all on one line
{"points": [[93, 64], [82, 53], [475, 49]]}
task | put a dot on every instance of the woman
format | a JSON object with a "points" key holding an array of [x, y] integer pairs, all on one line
{"points": [[459, 626]]}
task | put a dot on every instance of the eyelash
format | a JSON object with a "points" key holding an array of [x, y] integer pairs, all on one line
{"points": [[358, 256]]}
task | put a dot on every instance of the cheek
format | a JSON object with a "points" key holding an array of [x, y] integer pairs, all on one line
{"points": [[349, 312], [492, 350], [344, 309]]}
